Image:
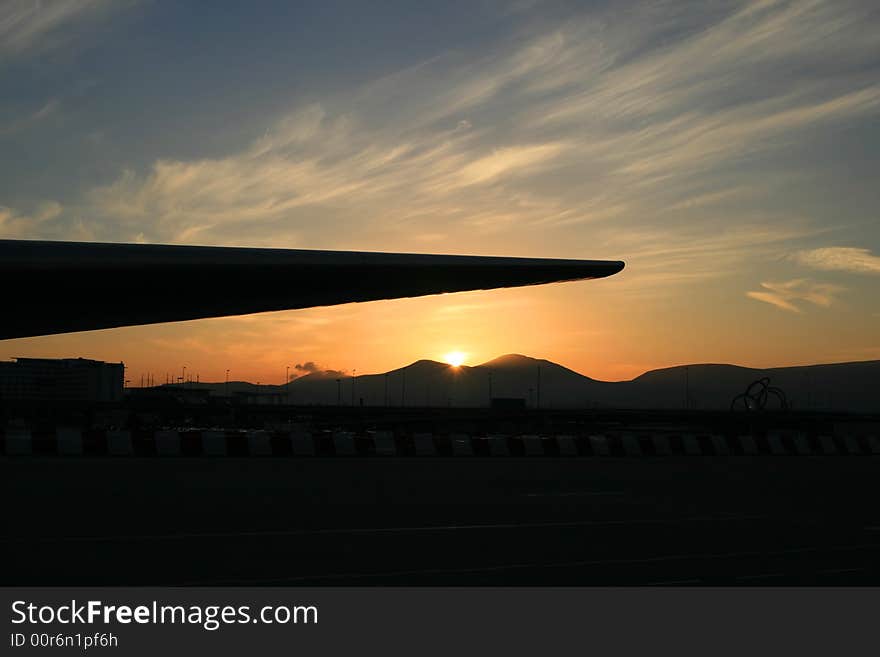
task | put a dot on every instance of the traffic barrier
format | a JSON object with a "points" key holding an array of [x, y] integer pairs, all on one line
{"points": [[424, 444], [748, 445], [631, 446], [661, 446], [119, 443], [826, 445], [70, 441], [214, 443], [498, 446], [532, 445], [343, 443], [461, 444], [19, 442], [303, 443], [691, 446], [720, 445], [384, 443], [802, 445], [567, 446], [167, 443], [599, 445], [851, 444], [259, 443], [774, 440]]}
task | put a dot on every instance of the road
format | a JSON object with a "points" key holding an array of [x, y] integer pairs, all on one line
{"points": [[441, 521]]}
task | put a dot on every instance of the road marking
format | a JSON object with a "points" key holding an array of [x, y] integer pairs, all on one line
{"points": [[584, 493], [761, 576], [559, 564], [378, 530]]}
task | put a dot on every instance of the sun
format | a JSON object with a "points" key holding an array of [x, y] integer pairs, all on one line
{"points": [[455, 358]]}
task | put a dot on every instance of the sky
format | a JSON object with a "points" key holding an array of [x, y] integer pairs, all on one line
{"points": [[726, 151]]}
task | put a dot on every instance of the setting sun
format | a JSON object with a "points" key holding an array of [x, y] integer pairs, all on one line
{"points": [[455, 358]]}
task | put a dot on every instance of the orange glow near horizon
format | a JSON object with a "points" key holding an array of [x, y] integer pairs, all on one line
{"points": [[455, 358]]}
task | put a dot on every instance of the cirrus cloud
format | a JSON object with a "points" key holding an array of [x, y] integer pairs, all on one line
{"points": [[840, 258], [784, 294]]}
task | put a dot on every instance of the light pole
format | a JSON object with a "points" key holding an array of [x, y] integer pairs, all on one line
{"points": [[353, 377], [538, 397], [403, 388]]}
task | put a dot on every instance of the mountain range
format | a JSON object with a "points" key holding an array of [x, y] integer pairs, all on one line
{"points": [[853, 387]]}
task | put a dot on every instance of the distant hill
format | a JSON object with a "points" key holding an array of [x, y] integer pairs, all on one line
{"points": [[839, 386]]}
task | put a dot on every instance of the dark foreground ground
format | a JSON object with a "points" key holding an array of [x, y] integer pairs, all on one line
{"points": [[347, 521]]}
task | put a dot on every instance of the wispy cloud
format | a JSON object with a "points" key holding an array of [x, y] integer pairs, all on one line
{"points": [[784, 294], [27, 25], [47, 109], [618, 134], [840, 258]]}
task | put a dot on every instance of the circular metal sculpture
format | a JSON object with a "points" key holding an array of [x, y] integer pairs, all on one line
{"points": [[756, 396]]}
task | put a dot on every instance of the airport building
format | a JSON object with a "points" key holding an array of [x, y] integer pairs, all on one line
{"points": [[61, 379]]}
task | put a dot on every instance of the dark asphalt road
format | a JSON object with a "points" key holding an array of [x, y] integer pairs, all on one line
{"points": [[395, 521]]}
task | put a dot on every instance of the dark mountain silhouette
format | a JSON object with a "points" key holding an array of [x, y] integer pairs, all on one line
{"points": [[840, 386]]}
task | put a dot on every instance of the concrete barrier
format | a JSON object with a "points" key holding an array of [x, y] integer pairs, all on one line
{"points": [[748, 445], [259, 443], [600, 445], [774, 440], [826, 444], [303, 443], [661, 445], [214, 443], [384, 443], [70, 442], [802, 445], [631, 446], [691, 445], [567, 445], [851, 444], [167, 443], [532, 445], [720, 445], [119, 443], [343, 443], [19, 442], [498, 446], [461, 444], [424, 444]]}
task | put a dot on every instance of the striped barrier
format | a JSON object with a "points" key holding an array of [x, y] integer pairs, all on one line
{"points": [[461, 444], [70, 442]]}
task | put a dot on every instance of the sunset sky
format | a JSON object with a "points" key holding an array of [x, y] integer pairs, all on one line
{"points": [[728, 152]]}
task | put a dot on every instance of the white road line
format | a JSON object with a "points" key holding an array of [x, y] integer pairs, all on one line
{"points": [[761, 576], [560, 564], [584, 493], [378, 530], [837, 571]]}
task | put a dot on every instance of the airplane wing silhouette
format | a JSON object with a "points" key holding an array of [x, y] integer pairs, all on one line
{"points": [[61, 287]]}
